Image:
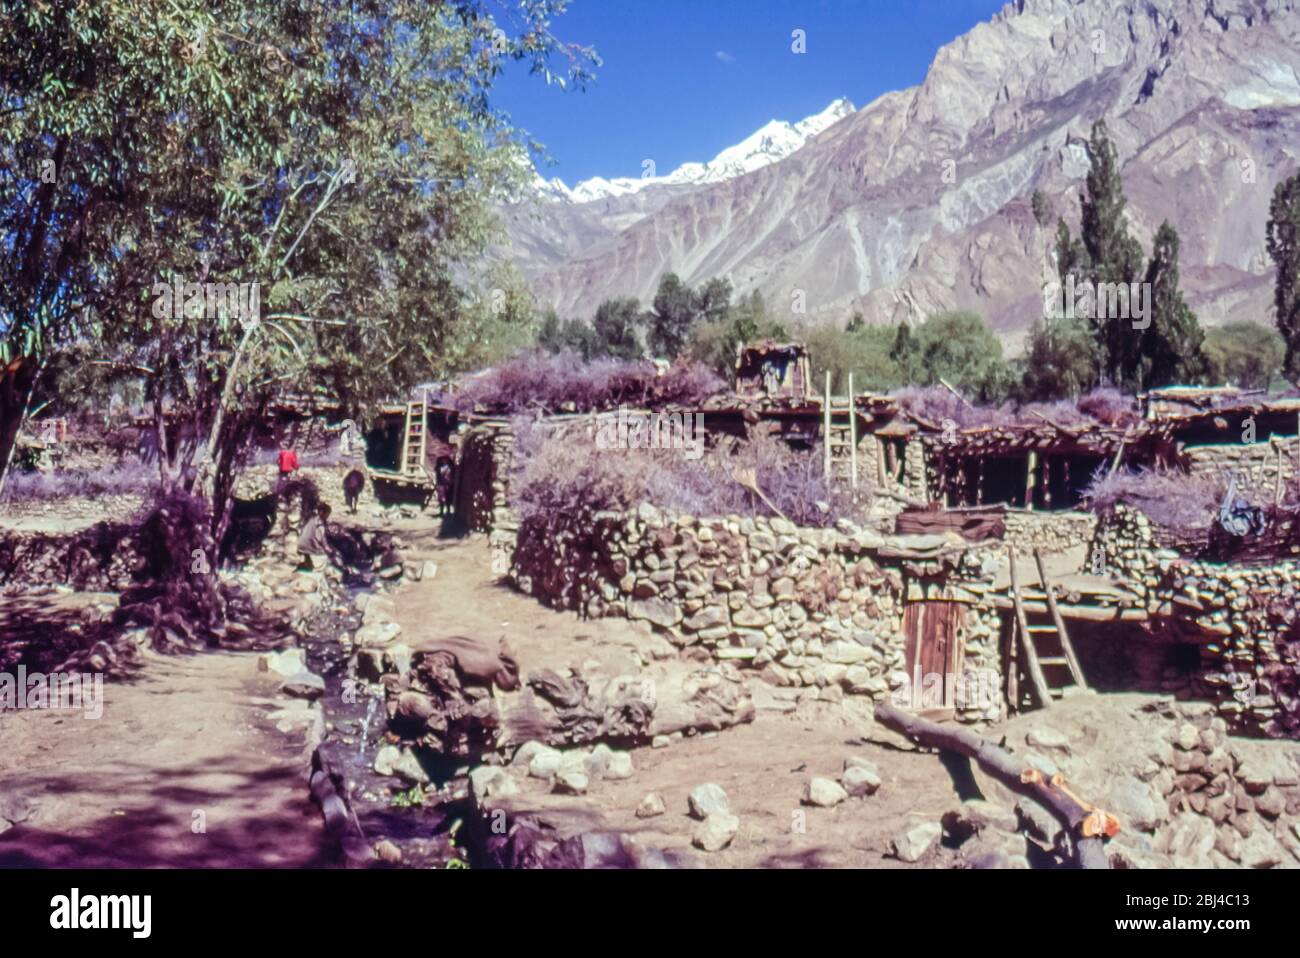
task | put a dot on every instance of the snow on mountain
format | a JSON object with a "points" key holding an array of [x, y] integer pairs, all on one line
{"points": [[775, 140]]}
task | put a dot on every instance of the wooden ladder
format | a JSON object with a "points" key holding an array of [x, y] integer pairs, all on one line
{"points": [[840, 435], [414, 442], [1061, 661]]}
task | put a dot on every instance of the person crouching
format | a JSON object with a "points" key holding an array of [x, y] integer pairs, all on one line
{"points": [[313, 542]]}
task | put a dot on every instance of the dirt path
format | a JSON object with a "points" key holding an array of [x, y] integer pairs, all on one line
{"points": [[186, 767]]}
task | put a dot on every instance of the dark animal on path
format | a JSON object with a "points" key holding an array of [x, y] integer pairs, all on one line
{"points": [[353, 483]]}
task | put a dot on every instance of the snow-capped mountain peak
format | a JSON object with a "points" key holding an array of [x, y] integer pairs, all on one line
{"points": [[774, 141]]}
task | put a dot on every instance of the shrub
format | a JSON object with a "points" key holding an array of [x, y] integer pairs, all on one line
{"points": [[130, 477], [536, 381], [568, 473], [1180, 503]]}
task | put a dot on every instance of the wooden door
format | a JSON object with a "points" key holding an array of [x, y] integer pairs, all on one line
{"points": [[934, 654]]}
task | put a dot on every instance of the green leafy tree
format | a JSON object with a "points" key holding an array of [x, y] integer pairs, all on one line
{"points": [[1171, 345], [616, 330], [673, 315], [905, 356], [716, 342], [859, 349], [1244, 354], [1060, 361], [960, 349], [1107, 253], [713, 300], [1283, 242], [344, 161]]}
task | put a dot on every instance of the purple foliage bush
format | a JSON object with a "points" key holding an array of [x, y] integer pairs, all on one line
{"points": [[570, 474], [129, 477], [1181, 503], [563, 382], [1108, 407]]}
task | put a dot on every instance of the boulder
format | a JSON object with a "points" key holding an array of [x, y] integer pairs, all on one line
{"points": [[651, 806], [304, 685], [913, 844], [708, 799], [715, 832], [823, 793]]}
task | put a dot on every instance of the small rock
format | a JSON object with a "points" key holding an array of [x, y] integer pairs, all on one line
{"points": [[824, 793], [304, 685], [1133, 802], [386, 851], [545, 763], [391, 760], [284, 664], [1047, 738], [916, 841], [571, 781], [859, 781], [491, 781], [715, 832], [620, 766], [651, 806], [706, 800]]}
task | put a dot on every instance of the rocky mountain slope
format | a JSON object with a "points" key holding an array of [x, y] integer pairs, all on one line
{"points": [[919, 202]]}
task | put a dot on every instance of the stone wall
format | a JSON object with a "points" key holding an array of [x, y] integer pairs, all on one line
{"points": [[1239, 615], [101, 558], [1228, 801], [1049, 532], [803, 607], [1259, 465], [482, 490]]}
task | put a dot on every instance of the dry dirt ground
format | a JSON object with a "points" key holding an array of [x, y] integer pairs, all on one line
{"points": [[184, 768]]}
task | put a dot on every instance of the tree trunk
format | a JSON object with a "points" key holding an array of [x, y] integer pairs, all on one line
{"points": [[1085, 825], [17, 380]]}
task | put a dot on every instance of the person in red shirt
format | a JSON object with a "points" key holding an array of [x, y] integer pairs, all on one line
{"points": [[288, 466]]}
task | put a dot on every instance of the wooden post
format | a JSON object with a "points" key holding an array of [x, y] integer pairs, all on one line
{"points": [[826, 427], [1031, 479], [853, 438]]}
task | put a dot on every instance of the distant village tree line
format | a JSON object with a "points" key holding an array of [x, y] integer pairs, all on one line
{"points": [[1064, 356]]}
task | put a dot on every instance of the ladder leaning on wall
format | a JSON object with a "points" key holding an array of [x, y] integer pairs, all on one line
{"points": [[414, 441], [840, 435]]}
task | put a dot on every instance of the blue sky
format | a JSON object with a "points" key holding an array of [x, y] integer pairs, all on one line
{"points": [[682, 79]]}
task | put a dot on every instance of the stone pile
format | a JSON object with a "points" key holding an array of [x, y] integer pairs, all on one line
{"points": [[1225, 802], [102, 558]]}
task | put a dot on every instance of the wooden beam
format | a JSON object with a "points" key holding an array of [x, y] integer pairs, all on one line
{"points": [[1087, 826]]}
